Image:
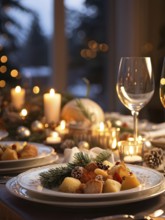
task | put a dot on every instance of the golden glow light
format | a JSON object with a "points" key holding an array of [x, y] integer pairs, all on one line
{"points": [[23, 113], [17, 89], [93, 45], [14, 73], [52, 92], [4, 59], [2, 83], [36, 89], [103, 47], [3, 69], [101, 127], [162, 81], [62, 124]]}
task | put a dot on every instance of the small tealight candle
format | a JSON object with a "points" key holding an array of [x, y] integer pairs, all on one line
{"points": [[18, 97], [132, 157], [52, 106], [62, 128], [23, 113], [54, 138], [131, 152]]}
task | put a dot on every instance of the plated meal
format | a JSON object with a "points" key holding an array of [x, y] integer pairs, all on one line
{"points": [[27, 186], [86, 175], [16, 157], [15, 151]]}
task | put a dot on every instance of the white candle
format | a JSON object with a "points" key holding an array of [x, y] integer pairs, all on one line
{"points": [[54, 138], [133, 159], [52, 106], [18, 97]]}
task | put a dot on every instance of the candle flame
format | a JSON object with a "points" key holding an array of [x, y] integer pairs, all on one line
{"points": [[131, 150], [62, 125], [18, 89], [52, 92], [102, 126], [114, 143], [54, 134], [23, 113]]}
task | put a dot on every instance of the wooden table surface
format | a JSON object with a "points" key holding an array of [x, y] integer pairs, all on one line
{"points": [[12, 208]]}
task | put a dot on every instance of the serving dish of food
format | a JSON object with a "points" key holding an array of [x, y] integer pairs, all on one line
{"points": [[21, 155]]}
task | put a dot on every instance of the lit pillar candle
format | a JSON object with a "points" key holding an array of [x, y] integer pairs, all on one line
{"points": [[18, 97], [52, 106]]}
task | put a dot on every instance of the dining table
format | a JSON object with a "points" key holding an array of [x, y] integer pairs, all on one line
{"points": [[17, 208], [13, 208]]}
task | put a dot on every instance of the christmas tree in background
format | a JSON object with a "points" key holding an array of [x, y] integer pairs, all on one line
{"points": [[10, 31]]}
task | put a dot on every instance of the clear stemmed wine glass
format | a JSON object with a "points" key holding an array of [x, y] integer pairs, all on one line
{"points": [[135, 85], [162, 85]]}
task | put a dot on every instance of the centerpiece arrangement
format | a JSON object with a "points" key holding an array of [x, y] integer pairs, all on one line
{"points": [[38, 119], [79, 122]]}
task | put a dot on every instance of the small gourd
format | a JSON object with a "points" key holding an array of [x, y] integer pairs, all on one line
{"points": [[81, 110]]}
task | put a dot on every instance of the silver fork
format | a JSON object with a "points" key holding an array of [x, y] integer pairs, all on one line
{"points": [[153, 216]]}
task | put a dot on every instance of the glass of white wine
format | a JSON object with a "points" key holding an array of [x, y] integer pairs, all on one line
{"points": [[162, 85], [135, 85]]}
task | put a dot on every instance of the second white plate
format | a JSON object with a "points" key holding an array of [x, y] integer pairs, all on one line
{"points": [[43, 152]]}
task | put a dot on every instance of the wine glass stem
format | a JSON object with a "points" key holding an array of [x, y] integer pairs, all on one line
{"points": [[135, 123]]}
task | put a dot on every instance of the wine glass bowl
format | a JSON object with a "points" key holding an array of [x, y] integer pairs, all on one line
{"points": [[135, 85], [162, 85]]}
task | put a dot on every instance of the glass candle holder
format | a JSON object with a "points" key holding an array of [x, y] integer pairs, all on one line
{"points": [[131, 152]]}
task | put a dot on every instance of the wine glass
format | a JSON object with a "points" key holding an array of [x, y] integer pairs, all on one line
{"points": [[135, 85], [162, 85]]}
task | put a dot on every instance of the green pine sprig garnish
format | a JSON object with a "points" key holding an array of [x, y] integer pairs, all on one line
{"points": [[54, 177], [84, 110], [80, 159], [102, 156]]}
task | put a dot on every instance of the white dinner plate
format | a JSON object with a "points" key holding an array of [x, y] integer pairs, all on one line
{"points": [[150, 180], [15, 189], [53, 158], [43, 152]]}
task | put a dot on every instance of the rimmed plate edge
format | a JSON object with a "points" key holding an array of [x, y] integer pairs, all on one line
{"points": [[15, 189]]}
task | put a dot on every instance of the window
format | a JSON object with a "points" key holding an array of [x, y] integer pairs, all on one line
{"points": [[25, 37], [87, 48]]}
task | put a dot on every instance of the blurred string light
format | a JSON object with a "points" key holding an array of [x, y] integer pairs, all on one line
{"points": [[14, 73], [4, 59], [36, 90], [2, 83], [93, 49], [3, 69]]}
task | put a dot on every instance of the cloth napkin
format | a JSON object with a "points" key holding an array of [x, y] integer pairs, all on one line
{"points": [[154, 134], [92, 153]]}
